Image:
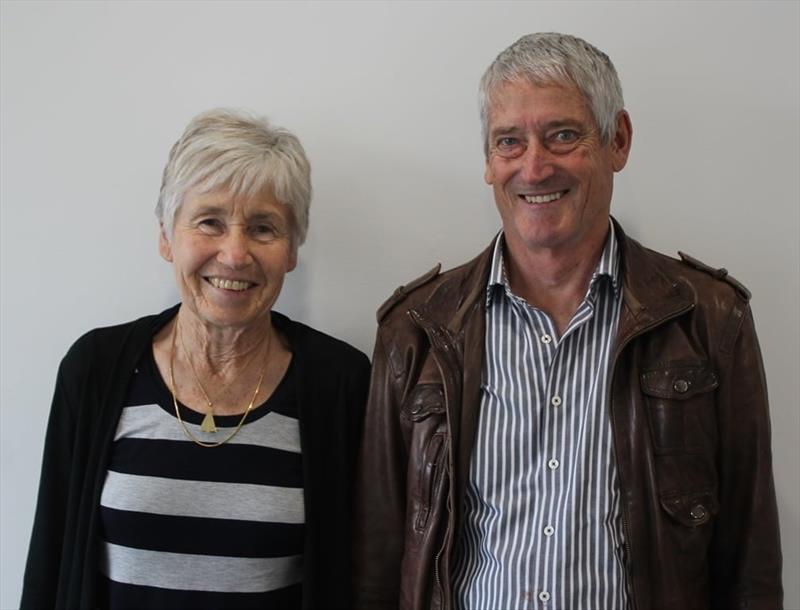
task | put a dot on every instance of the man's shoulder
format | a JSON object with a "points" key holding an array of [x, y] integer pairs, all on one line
{"points": [[720, 274], [451, 285], [706, 281], [415, 290]]}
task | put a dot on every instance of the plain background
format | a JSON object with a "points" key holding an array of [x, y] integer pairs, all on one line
{"points": [[383, 96]]}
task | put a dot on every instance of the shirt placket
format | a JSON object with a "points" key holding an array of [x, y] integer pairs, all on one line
{"points": [[555, 405]]}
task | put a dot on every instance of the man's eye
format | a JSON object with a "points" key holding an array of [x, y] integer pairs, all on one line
{"points": [[508, 146], [565, 136]]}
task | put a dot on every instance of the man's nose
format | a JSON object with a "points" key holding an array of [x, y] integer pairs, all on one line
{"points": [[537, 163], [234, 248]]}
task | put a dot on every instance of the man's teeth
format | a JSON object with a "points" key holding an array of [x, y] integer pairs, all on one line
{"points": [[544, 198], [229, 284]]}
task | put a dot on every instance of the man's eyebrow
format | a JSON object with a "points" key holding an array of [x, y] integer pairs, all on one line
{"points": [[504, 129], [556, 123]]}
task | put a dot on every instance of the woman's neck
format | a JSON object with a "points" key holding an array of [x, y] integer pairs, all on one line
{"points": [[220, 352]]}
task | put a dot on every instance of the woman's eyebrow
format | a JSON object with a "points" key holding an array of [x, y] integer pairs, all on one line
{"points": [[208, 209]]}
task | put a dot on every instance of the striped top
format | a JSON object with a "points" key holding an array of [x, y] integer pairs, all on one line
{"points": [[542, 524], [192, 527]]}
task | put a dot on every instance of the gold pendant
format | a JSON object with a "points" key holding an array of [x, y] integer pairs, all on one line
{"points": [[208, 424]]}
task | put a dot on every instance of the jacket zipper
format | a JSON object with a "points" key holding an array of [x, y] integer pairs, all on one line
{"points": [[444, 345], [625, 526], [448, 446]]}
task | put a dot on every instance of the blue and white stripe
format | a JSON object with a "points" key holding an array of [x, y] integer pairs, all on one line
{"points": [[542, 522]]}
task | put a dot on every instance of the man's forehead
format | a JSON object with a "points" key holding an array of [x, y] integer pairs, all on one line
{"points": [[516, 100]]}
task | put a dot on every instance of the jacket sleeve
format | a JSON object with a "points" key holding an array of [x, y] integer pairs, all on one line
{"points": [[43, 569], [380, 501], [746, 554]]}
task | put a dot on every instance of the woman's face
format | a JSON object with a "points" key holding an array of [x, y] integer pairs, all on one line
{"points": [[230, 255]]}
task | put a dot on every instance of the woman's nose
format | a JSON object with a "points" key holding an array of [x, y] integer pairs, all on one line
{"points": [[234, 248]]}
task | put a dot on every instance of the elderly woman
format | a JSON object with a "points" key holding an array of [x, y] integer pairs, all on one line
{"points": [[203, 457]]}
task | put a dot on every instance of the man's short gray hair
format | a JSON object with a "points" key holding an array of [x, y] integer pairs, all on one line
{"points": [[242, 155], [548, 58]]}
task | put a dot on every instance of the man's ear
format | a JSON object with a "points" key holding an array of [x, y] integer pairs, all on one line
{"points": [[164, 247], [488, 173], [621, 141]]}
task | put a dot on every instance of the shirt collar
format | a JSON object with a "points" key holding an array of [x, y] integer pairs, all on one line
{"points": [[607, 266]]}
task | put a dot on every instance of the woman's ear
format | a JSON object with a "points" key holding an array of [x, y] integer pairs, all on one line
{"points": [[164, 247]]}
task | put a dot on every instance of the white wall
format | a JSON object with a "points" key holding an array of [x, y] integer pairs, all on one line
{"points": [[383, 98]]}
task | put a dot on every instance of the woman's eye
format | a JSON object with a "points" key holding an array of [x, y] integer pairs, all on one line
{"points": [[211, 226], [263, 232]]}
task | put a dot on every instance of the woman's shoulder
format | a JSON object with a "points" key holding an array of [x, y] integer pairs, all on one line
{"points": [[105, 344], [318, 345]]}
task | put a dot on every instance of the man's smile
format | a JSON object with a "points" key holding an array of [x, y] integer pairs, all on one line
{"points": [[547, 198]]}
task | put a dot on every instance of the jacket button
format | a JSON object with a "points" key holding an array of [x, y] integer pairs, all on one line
{"points": [[698, 512], [680, 386]]}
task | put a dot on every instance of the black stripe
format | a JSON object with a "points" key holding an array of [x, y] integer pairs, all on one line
{"points": [[230, 463], [132, 597], [201, 536]]}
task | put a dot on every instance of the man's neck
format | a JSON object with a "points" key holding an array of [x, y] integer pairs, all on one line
{"points": [[554, 280]]}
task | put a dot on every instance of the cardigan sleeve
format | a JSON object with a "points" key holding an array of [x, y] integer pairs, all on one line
{"points": [[90, 386], [43, 573]]}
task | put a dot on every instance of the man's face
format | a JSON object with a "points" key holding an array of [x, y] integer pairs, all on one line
{"points": [[551, 173]]}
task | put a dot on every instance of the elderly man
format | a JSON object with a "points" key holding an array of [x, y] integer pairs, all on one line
{"points": [[570, 420]]}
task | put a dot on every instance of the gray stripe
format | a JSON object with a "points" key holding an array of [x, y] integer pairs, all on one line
{"points": [[152, 422], [187, 572], [506, 557], [241, 501]]}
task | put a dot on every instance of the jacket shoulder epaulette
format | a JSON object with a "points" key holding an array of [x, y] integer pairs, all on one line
{"points": [[720, 274], [403, 291]]}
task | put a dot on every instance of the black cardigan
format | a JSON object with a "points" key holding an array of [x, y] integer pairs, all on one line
{"points": [[332, 381]]}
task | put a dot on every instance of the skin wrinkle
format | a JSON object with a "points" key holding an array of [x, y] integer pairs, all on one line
{"points": [[218, 235], [543, 139]]}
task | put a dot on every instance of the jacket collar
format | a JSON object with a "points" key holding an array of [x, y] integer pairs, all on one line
{"points": [[649, 294]]}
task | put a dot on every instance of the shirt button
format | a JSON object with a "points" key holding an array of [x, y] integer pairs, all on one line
{"points": [[546, 338], [544, 597], [549, 530], [555, 401], [552, 464]]}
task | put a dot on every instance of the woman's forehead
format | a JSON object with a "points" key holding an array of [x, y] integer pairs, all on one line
{"points": [[223, 202]]}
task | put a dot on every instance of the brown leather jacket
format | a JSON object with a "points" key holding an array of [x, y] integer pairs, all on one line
{"points": [[691, 431]]}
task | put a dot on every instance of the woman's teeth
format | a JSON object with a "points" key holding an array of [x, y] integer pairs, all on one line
{"points": [[229, 284], [544, 198]]}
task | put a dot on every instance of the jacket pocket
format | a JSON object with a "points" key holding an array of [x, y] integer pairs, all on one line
{"points": [[690, 509], [429, 478], [680, 407], [425, 400]]}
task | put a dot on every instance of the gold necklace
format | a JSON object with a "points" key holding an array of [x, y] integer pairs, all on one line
{"points": [[186, 430], [208, 425]]}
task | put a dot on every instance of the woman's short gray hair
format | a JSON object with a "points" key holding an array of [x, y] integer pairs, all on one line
{"points": [[242, 154], [547, 58]]}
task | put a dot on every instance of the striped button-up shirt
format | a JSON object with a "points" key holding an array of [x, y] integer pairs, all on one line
{"points": [[542, 524]]}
